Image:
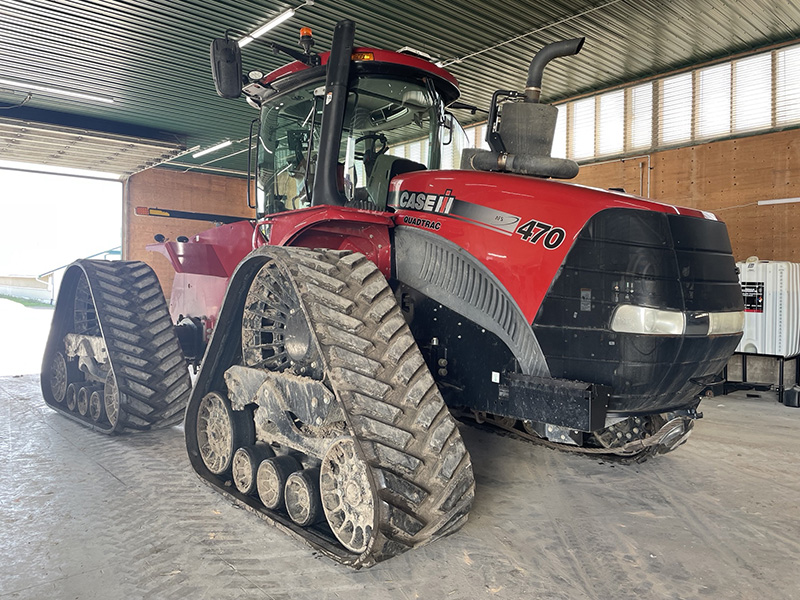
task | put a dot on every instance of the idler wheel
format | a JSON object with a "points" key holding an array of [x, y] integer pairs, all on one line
{"points": [[84, 313], [275, 330], [111, 399], [97, 409], [83, 400], [72, 396], [348, 499], [220, 430], [59, 378]]}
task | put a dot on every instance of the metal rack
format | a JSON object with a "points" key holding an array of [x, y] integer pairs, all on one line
{"points": [[788, 374]]}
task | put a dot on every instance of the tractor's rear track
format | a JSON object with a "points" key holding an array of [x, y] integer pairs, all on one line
{"points": [[112, 337]]}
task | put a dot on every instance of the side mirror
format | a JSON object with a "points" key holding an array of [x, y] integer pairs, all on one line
{"points": [[226, 67]]}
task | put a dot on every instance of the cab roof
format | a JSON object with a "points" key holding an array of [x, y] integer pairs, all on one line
{"points": [[446, 84]]}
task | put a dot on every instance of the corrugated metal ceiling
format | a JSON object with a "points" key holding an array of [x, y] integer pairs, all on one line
{"points": [[75, 148], [151, 56]]}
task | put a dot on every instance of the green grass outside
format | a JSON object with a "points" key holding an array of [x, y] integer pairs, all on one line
{"points": [[26, 302]]}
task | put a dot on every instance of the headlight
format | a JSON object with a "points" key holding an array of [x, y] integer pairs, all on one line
{"points": [[650, 321], [722, 323], [642, 320]]}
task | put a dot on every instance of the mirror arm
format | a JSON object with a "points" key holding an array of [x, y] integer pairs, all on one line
{"points": [[309, 59], [252, 174]]}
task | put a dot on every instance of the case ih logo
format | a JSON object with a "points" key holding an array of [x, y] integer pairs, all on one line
{"points": [[438, 203], [532, 231]]}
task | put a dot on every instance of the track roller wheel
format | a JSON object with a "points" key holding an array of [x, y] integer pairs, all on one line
{"points": [[83, 400], [245, 466], [347, 500], [301, 494], [72, 396], [220, 431], [97, 409], [271, 479]]}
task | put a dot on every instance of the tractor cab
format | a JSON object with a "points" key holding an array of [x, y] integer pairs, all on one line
{"points": [[391, 99], [381, 114]]}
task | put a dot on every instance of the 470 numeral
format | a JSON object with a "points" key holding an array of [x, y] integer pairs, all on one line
{"points": [[533, 231]]}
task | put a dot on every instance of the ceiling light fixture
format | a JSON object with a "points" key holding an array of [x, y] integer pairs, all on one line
{"points": [[219, 146], [24, 87], [288, 14]]}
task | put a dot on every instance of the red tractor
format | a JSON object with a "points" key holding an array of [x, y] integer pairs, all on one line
{"points": [[373, 295]]}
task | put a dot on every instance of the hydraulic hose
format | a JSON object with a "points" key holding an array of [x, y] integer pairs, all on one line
{"points": [[523, 164]]}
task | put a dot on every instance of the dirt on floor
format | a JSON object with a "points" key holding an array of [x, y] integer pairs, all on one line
{"points": [[91, 516]]}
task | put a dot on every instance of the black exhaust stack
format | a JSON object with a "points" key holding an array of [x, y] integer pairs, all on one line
{"points": [[533, 88], [326, 188], [521, 135]]}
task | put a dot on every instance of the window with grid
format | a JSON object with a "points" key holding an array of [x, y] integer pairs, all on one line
{"points": [[713, 88], [787, 86], [640, 116], [747, 95], [611, 123], [752, 94]]}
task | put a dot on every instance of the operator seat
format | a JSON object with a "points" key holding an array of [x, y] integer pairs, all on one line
{"points": [[385, 169]]}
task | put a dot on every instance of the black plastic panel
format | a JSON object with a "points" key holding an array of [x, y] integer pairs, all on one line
{"points": [[645, 258], [475, 370]]}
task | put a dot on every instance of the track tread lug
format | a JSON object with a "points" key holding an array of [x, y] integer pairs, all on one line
{"points": [[331, 299], [383, 432], [366, 406]]}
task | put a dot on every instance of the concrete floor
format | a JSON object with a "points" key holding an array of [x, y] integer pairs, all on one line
{"points": [[88, 516]]}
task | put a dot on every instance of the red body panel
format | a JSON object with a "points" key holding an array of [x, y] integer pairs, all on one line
{"points": [[215, 251], [203, 266], [481, 212], [337, 228], [478, 211]]}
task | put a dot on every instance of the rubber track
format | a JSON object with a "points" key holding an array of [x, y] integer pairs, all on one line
{"points": [[396, 412], [418, 462], [145, 355]]}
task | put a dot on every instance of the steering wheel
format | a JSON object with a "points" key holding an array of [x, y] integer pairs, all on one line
{"points": [[377, 137]]}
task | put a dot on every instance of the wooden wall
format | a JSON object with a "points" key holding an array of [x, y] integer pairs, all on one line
{"points": [[168, 189], [727, 178]]}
